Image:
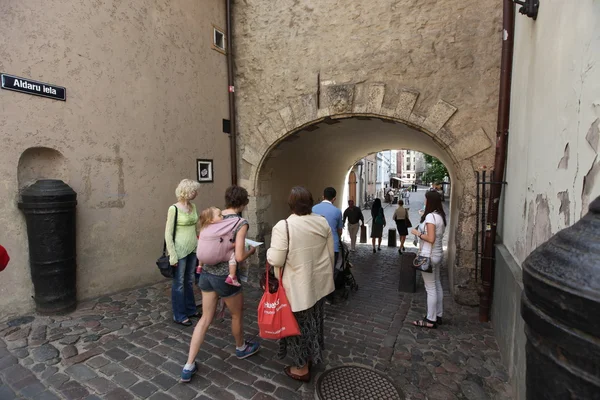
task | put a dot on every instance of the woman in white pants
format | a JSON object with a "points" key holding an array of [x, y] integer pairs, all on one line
{"points": [[430, 232]]}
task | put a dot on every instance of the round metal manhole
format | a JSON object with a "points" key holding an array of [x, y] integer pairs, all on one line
{"points": [[351, 382]]}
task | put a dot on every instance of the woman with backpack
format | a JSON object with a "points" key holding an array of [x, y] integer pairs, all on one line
{"points": [[214, 274], [180, 236], [377, 224]]}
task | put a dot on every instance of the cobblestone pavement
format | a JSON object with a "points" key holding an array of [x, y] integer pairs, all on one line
{"points": [[125, 346]]}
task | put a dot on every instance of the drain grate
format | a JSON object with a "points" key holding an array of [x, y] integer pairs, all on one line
{"points": [[351, 382]]}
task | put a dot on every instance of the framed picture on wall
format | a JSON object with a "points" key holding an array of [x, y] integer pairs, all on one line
{"points": [[205, 170]]}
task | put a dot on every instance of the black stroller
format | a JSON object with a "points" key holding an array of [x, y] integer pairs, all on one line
{"points": [[343, 279]]}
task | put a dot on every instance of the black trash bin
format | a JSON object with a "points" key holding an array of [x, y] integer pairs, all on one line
{"points": [[561, 309], [49, 208]]}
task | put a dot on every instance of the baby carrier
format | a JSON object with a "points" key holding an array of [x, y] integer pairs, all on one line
{"points": [[216, 241]]}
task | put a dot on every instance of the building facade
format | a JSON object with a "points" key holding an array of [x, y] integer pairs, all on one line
{"points": [[146, 95], [553, 168]]}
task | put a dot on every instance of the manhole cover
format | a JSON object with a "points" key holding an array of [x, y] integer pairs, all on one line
{"points": [[352, 382]]}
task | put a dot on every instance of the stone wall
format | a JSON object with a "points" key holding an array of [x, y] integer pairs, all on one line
{"points": [[431, 66], [146, 95]]}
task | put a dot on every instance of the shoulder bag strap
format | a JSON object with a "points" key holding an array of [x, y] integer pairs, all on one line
{"points": [[287, 229], [174, 231]]}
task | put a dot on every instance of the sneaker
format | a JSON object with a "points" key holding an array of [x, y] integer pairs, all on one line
{"points": [[251, 348], [186, 375], [232, 281]]}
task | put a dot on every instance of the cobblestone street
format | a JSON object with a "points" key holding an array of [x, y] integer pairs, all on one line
{"points": [[124, 346]]}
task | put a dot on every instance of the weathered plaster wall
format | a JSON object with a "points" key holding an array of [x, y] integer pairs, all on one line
{"points": [[431, 65], [553, 169], [553, 166], [145, 98]]}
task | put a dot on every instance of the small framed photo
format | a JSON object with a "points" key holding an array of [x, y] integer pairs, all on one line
{"points": [[205, 170]]}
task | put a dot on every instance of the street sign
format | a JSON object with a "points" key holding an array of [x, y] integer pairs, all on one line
{"points": [[29, 86]]}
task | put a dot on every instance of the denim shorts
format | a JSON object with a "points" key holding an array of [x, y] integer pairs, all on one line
{"points": [[216, 283]]}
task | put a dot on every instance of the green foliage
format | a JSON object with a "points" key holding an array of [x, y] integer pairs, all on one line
{"points": [[435, 172]]}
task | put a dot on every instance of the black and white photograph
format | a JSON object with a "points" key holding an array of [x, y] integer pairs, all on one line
{"points": [[205, 170]]}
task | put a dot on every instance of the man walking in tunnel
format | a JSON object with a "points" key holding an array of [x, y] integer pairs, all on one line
{"points": [[333, 215], [354, 216]]}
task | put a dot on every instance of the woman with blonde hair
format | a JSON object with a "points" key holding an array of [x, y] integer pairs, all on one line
{"points": [[182, 251]]}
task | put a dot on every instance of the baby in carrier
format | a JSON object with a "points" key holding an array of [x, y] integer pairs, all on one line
{"points": [[209, 216]]}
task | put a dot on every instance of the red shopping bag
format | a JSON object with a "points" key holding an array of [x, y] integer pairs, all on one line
{"points": [[275, 317]]}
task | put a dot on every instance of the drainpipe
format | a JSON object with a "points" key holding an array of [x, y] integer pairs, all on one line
{"points": [[488, 265], [231, 88]]}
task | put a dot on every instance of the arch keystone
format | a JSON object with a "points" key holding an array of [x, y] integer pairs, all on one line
{"points": [[336, 99], [439, 115]]}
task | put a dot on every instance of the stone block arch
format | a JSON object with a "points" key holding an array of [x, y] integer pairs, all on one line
{"points": [[389, 103]]}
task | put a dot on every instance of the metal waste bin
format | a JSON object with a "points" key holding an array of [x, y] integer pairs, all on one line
{"points": [[561, 309], [49, 208]]}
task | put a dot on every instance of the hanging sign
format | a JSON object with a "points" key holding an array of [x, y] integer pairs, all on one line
{"points": [[24, 85]]}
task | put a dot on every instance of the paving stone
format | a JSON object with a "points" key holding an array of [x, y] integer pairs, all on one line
{"points": [[20, 321], [219, 379], [182, 391], [97, 362], [132, 363], [73, 391], [147, 371], [31, 391], [164, 381], [116, 354], [71, 339], [48, 372], [125, 379], [214, 392], [245, 391], [7, 393], [16, 344], [8, 361], [160, 396], [111, 369], [44, 353], [57, 380], [69, 351], [154, 359], [283, 393], [101, 385], [118, 394], [81, 372], [22, 333], [472, 390], [46, 395], [264, 386], [143, 389]]}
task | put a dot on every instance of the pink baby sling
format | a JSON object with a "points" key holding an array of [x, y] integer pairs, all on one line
{"points": [[216, 242]]}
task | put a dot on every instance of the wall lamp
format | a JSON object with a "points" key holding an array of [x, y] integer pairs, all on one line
{"points": [[529, 7]]}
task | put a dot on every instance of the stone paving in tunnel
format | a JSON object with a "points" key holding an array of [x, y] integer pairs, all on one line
{"points": [[124, 346]]}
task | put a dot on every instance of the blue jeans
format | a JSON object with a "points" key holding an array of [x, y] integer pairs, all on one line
{"points": [[182, 290]]}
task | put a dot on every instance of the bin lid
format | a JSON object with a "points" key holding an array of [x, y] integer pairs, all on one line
{"points": [[48, 191]]}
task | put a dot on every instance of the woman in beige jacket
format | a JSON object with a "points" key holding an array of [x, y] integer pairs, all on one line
{"points": [[307, 278]]}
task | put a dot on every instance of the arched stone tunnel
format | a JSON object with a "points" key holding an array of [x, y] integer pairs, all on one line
{"points": [[310, 145]]}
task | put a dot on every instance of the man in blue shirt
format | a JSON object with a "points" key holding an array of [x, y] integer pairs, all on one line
{"points": [[333, 215]]}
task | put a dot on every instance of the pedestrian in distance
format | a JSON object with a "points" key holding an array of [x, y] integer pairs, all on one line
{"points": [[181, 225], [355, 217], [333, 215], [378, 223], [430, 233], [400, 216], [303, 245], [212, 284]]}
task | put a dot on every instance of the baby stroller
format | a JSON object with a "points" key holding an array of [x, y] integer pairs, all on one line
{"points": [[343, 279]]}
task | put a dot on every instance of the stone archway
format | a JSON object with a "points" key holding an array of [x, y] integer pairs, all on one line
{"points": [[390, 103]]}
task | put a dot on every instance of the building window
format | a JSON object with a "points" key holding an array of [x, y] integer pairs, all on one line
{"points": [[218, 40]]}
